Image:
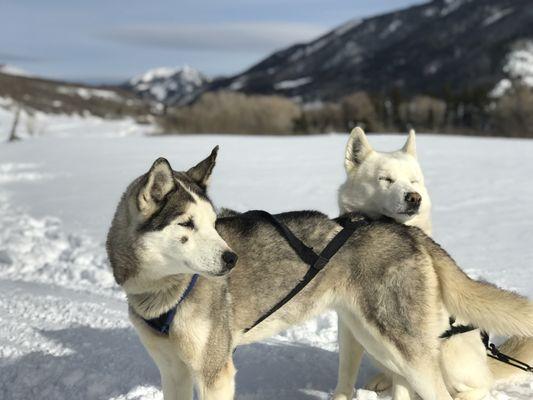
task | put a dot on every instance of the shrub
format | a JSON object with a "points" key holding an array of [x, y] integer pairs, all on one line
{"points": [[231, 112], [512, 114], [423, 112]]}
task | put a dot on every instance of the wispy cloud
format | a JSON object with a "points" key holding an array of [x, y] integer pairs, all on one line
{"points": [[241, 36]]}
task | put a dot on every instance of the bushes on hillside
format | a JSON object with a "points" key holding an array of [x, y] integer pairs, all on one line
{"points": [[512, 114], [231, 112], [355, 109], [470, 113], [423, 111]]}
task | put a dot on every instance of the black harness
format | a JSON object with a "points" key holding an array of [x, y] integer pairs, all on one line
{"points": [[456, 329], [315, 261], [493, 351]]}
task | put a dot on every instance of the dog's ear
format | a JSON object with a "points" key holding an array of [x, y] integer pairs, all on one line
{"points": [[159, 182], [410, 146], [357, 149], [201, 172]]}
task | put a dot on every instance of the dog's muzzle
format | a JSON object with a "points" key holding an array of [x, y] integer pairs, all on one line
{"points": [[412, 201]]}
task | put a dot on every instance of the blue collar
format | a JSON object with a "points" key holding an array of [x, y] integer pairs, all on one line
{"points": [[162, 323]]}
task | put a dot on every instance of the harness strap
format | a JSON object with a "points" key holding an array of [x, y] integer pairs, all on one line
{"points": [[315, 261], [162, 323], [305, 252], [491, 348], [456, 329], [504, 358]]}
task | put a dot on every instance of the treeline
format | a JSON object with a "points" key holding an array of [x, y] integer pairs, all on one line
{"points": [[471, 112]]}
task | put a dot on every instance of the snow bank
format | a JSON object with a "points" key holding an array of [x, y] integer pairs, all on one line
{"points": [[37, 124]]}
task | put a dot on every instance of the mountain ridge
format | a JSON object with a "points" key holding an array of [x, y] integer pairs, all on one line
{"points": [[434, 47]]}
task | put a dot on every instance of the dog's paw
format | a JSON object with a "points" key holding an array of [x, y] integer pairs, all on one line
{"points": [[379, 383]]}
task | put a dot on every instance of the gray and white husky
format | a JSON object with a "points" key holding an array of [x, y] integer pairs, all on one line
{"points": [[392, 185], [392, 284]]}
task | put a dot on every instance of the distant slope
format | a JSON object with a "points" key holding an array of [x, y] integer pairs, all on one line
{"points": [[170, 86], [57, 97], [443, 45]]}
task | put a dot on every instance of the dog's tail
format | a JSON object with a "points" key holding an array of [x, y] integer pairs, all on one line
{"points": [[517, 347], [484, 305]]}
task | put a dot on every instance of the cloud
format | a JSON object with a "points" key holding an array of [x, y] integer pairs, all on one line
{"points": [[245, 37]]}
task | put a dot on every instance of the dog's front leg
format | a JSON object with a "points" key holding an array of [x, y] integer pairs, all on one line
{"points": [[350, 354], [218, 386], [177, 381], [401, 390]]}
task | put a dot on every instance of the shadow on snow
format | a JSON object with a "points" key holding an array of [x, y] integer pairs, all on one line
{"points": [[106, 363]]}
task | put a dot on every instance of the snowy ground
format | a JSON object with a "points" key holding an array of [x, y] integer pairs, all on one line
{"points": [[39, 124], [64, 333]]}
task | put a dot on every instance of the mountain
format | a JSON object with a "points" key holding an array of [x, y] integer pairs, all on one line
{"points": [[435, 48], [12, 70], [171, 86], [58, 97]]}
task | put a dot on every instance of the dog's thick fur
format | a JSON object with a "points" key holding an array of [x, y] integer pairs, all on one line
{"points": [[468, 372], [394, 286]]}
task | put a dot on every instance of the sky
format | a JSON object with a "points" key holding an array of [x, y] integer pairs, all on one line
{"points": [[107, 41]]}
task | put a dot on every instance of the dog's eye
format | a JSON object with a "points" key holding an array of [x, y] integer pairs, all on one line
{"points": [[187, 224], [386, 179], [414, 181]]}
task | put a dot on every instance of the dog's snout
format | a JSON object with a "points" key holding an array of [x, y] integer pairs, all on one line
{"points": [[413, 199], [230, 259]]}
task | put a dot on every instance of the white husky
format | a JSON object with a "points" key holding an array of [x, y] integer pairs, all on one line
{"points": [[392, 185], [385, 184]]}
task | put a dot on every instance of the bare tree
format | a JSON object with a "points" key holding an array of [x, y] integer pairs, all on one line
{"points": [[13, 134]]}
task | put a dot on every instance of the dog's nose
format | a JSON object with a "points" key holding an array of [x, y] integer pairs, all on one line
{"points": [[229, 258], [413, 199]]}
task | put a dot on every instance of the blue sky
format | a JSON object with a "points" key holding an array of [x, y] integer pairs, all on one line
{"points": [[111, 40]]}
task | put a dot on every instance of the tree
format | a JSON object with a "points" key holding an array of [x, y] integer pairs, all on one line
{"points": [[13, 134]]}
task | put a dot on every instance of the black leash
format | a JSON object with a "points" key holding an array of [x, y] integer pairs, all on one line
{"points": [[491, 347], [315, 261], [504, 358]]}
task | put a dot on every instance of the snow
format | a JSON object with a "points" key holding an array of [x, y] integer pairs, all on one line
{"points": [[86, 93], [12, 70], [64, 332], [497, 14], [294, 83], [451, 6], [36, 124], [186, 72], [391, 28], [163, 82], [341, 30], [520, 63], [518, 67], [502, 87], [430, 12]]}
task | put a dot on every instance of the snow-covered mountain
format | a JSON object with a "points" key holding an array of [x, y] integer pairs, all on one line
{"points": [[49, 96], [171, 86], [437, 47], [12, 70]]}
